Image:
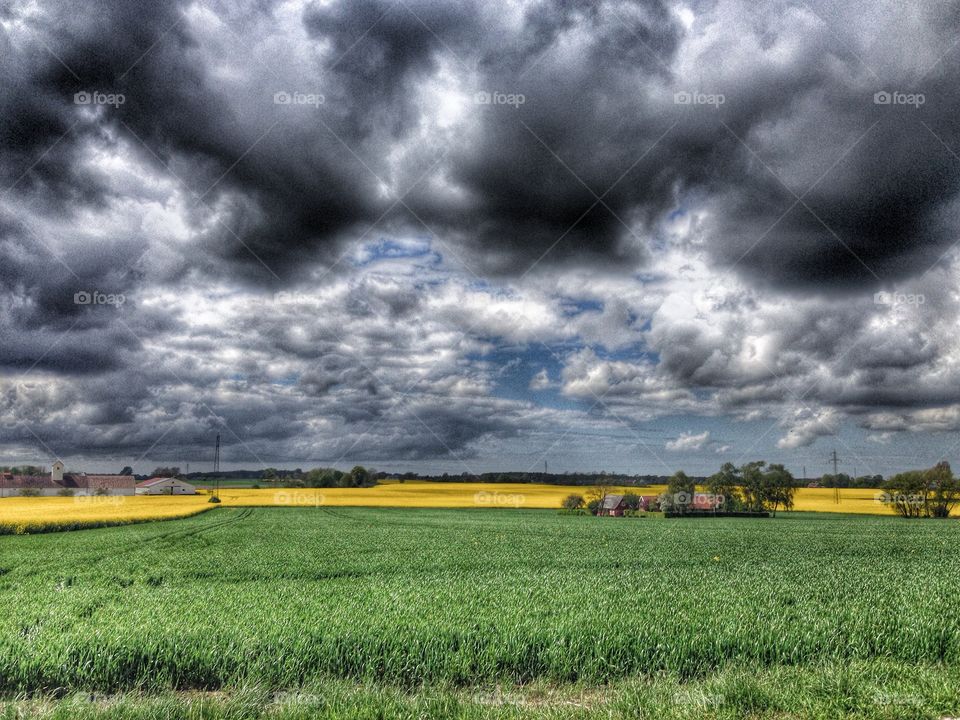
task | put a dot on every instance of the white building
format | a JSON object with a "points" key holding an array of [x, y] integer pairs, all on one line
{"points": [[165, 486]]}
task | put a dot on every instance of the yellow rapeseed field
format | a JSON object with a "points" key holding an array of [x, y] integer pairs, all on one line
{"points": [[35, 514], [19, 515], [420, 494]]}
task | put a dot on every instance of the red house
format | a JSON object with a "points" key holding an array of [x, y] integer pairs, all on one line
{"points": [[612, 506]]}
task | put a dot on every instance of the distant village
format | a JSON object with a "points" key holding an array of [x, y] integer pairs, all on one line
{"points": [[64, 484]]}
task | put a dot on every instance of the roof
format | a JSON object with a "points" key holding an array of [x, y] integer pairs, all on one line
{"points": [[72, 481], [157, 480], [611, 502], [40, 482], [103, 481]]}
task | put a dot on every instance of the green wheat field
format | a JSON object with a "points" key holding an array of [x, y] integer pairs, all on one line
{"points": [[375, 613]]}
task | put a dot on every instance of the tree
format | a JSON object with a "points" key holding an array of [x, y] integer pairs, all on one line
{"points": [[751, 477], [923, 493], [359, 477], [944, 490], [172, 471], [595, 496], [679, 494], [573, 502], [779, 488], [767, 488], [725, 484], [325, 478], [631, 501], [127, 471], [841, 480], [269, 474], [906, 493]]}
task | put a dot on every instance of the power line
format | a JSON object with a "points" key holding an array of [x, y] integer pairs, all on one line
{"points": [[216, 466], [836, 478]]}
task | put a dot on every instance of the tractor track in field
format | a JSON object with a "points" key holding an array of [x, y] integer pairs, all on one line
{"points": [[193, 532]]}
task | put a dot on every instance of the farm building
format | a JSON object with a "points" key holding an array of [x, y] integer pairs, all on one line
{"points": [[612, 506], [60, 483], [165, 486]]}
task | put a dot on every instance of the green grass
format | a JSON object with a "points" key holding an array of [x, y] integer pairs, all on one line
{"points": [[865, 690], [797, 617]]}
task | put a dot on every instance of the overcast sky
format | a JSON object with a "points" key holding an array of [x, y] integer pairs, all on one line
{"points": [[472, 236]]}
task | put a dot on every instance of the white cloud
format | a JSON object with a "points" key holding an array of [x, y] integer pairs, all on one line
{"points": [[807, 426], [688, 441]]}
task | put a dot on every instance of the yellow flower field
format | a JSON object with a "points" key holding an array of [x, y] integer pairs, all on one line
{"points": [[36, 514], [19, 515], [478, 495], [420, 494]]}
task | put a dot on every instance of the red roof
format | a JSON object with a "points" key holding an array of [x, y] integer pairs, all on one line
{"points": [[111, 482], [72, 481], [39, 482]]}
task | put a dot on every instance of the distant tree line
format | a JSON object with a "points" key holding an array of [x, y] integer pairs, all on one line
{"points": [[755, 487], [23, 469], [842, 480], [571, 478], [359, 476]]}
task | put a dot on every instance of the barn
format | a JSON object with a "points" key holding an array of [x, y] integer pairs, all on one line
{"points": [[612, 505], [61, 483], [165, 486]]}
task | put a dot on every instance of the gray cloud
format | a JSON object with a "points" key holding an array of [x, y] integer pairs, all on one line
{"points": [[676, 269]]}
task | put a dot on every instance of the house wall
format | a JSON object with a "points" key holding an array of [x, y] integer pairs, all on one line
{"points": [[55, 492], [168, 488]]}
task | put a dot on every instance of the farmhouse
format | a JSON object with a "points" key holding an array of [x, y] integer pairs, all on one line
{"points": [[60, 483], [165, 486], [649, 502], [612, 506]]}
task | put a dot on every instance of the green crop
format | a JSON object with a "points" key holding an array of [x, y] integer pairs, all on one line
{"points": [[276, 598]]}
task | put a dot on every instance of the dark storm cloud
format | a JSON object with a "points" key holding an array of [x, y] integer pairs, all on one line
{"points": [[598, 82], [587, 172]]}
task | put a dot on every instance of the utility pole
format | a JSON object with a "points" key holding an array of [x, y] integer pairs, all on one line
{"points": [[216, 467], [804, 474], [836, 478]]}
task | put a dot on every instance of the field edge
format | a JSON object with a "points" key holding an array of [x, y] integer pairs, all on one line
{"points": [[865, 689]]}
